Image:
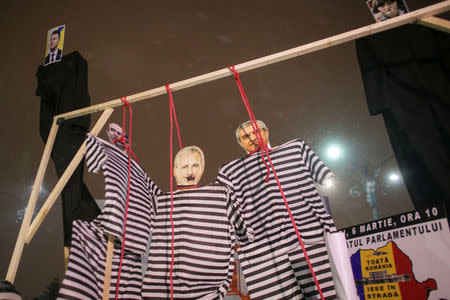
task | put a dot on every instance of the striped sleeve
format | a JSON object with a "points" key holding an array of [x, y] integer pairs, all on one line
{"points": [[222, 178], [318, 170], [95, 156], [113, 163], [234, 211]]}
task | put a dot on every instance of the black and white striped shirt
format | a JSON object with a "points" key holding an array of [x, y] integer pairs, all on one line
{"points": [[103, 156], [206, 220], [84, 277], [297, 168]]}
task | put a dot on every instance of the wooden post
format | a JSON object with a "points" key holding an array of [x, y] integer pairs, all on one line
{"points": [[17, 254], [108, 266], [66, 257], [64, 178]]}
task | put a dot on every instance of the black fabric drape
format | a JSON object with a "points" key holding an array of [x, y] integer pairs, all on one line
{"points": [[406, 78], [63, 87]]}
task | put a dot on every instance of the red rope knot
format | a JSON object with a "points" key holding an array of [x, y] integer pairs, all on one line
{"points": [[122, 139], [235, 73]]}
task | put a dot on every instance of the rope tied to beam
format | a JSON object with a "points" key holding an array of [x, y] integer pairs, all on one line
{"points": [[126, 142], [262, 146], [173, 116], [264, 150], [127, 145]]}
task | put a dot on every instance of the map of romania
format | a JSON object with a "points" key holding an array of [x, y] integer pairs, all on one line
{"points": [[387, 273]]}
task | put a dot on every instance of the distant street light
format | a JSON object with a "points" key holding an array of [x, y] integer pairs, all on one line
{"points": [[394, 177], [334, 152], [366, 178]]}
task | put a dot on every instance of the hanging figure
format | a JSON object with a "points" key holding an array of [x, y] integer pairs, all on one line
{"points": [[274, 264], [85, 275], [206, 221], [114, 132], [63, 87]]}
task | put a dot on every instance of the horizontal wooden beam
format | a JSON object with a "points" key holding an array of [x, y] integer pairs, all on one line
{"points": [[435, 23], [271, 59]]}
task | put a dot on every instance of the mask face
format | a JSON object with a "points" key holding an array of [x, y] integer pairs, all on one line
{"points": [[249, 140], [114, 132], [188, 166], [54, 41], [389, 9]]}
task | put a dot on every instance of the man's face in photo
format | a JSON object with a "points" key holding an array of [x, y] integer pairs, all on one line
{"points": [[54, 41], [249, 140], [114, 132], [188, 168], [389, 9]]}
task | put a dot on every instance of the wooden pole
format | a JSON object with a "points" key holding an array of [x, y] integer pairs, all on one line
{"points": [[108, 267], [273, 58], [436, 23], [64, 178], [17, 254]]}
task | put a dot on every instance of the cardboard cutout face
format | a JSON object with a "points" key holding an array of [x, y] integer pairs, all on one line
{"points": [[249, 140], [55, 45], [387, 9], [114, 131], [189, 165]]}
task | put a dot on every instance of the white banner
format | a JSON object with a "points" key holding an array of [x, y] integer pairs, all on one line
{"points": [[402, 257]]}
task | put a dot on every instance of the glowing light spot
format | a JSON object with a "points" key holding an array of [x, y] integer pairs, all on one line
{"points": [[334, 152]]}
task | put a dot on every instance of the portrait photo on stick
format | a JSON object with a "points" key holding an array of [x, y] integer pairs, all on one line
{"points": [[55, 44]]}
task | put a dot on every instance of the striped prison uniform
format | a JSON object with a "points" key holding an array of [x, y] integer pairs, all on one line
{"points": [[273, 264], [206, 222], [84, 277]]}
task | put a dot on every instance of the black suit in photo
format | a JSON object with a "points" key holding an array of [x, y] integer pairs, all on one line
{"points": [[57, 58]]}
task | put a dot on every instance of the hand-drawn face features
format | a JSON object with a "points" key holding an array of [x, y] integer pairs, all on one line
{"points": [[189, 165], [249, 140]]}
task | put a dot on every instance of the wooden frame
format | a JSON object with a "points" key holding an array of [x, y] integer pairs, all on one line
{"points": [[435, 23], [25, 227], [108, 266], [64, 178], [27, 232]]}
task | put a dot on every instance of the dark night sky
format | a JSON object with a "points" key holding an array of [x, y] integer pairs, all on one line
{"points": [[135, 46]]}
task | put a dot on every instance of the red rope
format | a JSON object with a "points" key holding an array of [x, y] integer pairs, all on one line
{"points": [[264, 150], [172, 116], [172, 110], [129, 151], [123, 138]]}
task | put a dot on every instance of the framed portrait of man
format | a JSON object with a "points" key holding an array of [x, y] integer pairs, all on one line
{"points": [[55, 44], [386, 9]]}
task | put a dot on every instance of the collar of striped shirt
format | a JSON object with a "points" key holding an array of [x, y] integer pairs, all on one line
{"points": [[186, 187]]}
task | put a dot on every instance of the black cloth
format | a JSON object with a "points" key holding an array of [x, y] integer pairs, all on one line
{"points": [[63, 87], [406, 78]]}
